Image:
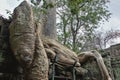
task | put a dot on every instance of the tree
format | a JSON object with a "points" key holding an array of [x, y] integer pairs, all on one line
{"points": [[47, 13], [50, 27], [79, 19], [102, 39]]}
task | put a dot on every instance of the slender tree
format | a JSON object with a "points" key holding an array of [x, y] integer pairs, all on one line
{"points": [[49, 28], [79, 19]]}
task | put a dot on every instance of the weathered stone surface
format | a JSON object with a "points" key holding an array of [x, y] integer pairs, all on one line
{"points": [[115, 60], [93, 71], [115, 50], [111, 58], [22, 34], [8, 64]]}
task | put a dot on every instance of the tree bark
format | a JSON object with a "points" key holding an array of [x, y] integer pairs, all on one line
{"points": [[49, 28], [65, 55]]}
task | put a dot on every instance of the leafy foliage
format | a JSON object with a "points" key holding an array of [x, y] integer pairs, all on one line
{"points": [[40, 8], [78, 19]]}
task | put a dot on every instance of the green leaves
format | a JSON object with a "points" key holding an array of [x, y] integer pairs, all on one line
{"points": [[74, 6], [77, 18], [84, 17]]}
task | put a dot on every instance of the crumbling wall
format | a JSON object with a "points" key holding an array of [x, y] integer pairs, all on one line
{"points": [[115, 60], [93, 71], [111, 58]]}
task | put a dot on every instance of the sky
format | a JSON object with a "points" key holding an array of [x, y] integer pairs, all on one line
{"points": [[114, 21], [8, 5]]}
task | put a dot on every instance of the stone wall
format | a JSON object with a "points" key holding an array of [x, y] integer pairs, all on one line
{"points": [[111, 58], [113, 62]]}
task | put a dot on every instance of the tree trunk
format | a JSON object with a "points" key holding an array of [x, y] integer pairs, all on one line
{"points": [[49, 28]]}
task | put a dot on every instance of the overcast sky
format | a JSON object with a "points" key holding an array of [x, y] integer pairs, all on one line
{"points": [[114, 21], [8, 5], [114, 5]]}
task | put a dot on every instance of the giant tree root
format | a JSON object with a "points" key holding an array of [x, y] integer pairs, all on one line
{"points": [[68, 57]]}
